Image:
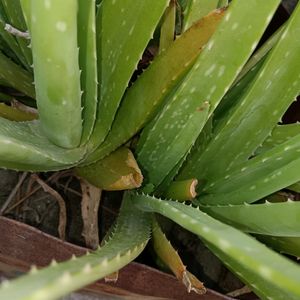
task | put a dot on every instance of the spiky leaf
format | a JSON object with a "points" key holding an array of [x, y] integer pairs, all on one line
{"points": [[58, 89], [180, 122], [127, 26], [129, 239], [275, 219], [259, 267]]}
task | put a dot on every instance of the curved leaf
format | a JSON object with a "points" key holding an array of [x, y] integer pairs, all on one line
{"points": [[129, 239], [257, 177], [58, 89], [88, 64], [127, 26], [276, 219], [24, 147], [270, 275], [157, 82], [180, 122], [267, 98]]}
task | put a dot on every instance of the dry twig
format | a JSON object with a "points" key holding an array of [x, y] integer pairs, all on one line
{"points": [[90, 202], [61, 203], [13, 193]]}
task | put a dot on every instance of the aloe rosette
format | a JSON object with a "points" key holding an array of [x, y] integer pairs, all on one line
{"points": [[205, 110]]}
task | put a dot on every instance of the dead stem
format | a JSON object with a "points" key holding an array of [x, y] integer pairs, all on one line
{"points": [[90, 202], [239, 292], [68, 189], [28, 194], [61, 203], [13, 193]]}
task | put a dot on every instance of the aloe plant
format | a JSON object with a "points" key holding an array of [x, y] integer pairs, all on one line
{"points": [[206, 109]]}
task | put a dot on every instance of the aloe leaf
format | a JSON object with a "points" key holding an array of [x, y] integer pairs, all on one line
{"points": [[120, 53], [231, 100], [16, 77], [261, 53], [180, 122], [288, 245], [5, 49], [200, 145], [9, 38], [14, 114], [165, 184], [167, 31], [156, 165], [257, 177], [222, 3], [88, 64], [294, 187], [170, 257], [270, 275], [129, 239], [260, 108], [15, 17], [276, 219], [245, 77], [35, 152], [279, 135], [5, 98], [195, 10], [26, 9], [157, 81], [54, 23], [117, 171]]}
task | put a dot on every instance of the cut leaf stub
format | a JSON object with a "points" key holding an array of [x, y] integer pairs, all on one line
{"points": [[118, 171]]}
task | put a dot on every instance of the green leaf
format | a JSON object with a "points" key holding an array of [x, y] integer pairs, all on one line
{"points": [[4, 97], [16, 77], [270, 275], [15, 114], [121, 51], [167, 31], [276, 219], [54, 46], [24, 147], [279, 135], [157, 82], [257, 177], [288, 245], [26, 9], [195, 10], [294, 187], [5, 49], [276, 85], [15, 18], [88, 64], [231, 100], [223, 3], [9, 38], [129, 239], [261, 53], [180, 122]]}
